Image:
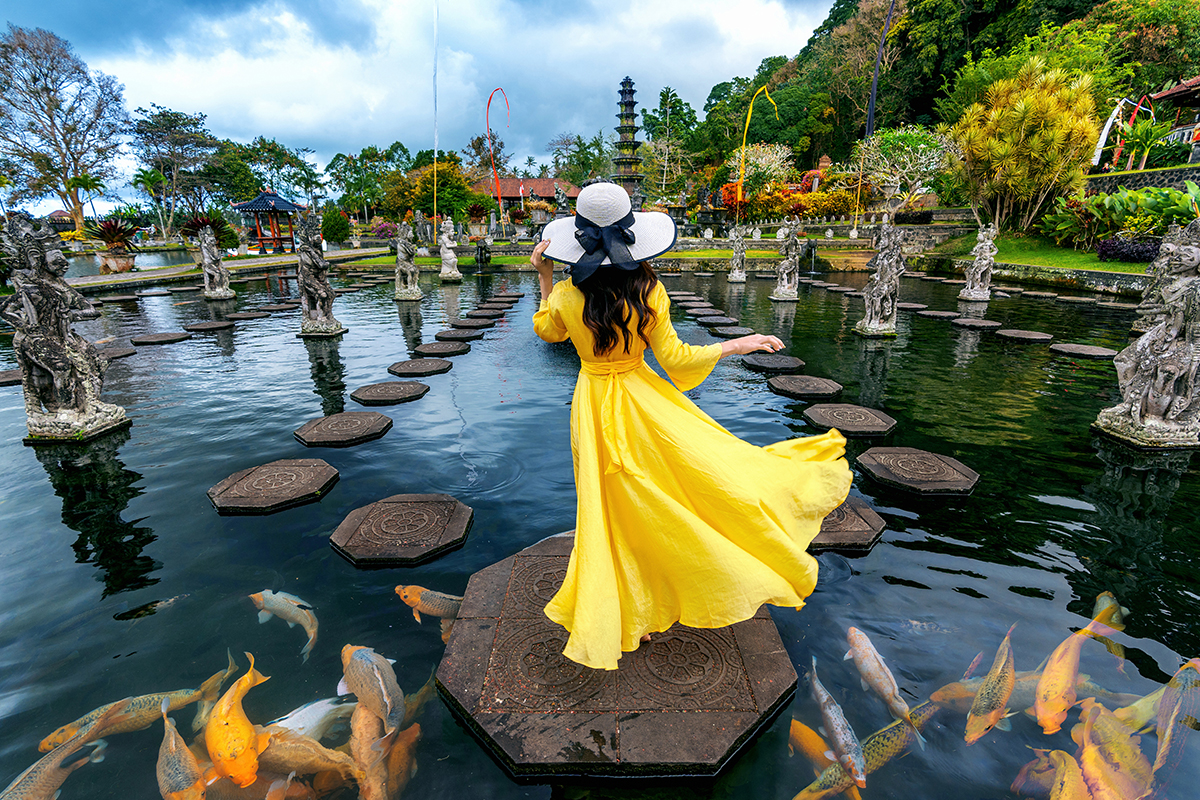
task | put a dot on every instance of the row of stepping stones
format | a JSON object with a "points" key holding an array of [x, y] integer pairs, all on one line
{"points": [[399, 530], [716, 320]]}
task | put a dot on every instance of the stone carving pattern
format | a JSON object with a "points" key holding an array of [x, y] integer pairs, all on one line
{"points": [[275, 481], [1170, 264], [979, 273], [917, 467], [216, 277], [533, 582], [316, 295], [699, 669], [61, 372], [405, 524], [449, 259], [883, 287], [406, 265], [528, 672], [737, 264]]}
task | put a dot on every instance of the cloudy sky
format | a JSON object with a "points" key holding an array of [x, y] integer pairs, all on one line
{"points": [[336, 75]]}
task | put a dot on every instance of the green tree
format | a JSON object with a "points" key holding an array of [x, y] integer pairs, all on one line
{"points": [[89, 185], [1159, 39], [1141, 136], [334, 226], [668, 125], [152, 183], [279, 167], [176, 144], [1029, 143], [478, 155], [575, 159], [906, 158], [424, 158], [453, 192], [227, 177], [58, 120]]}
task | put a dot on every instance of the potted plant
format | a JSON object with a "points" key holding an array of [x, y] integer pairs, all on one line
{"points": [[227, 237], [475, 214], [119, 250], [518, 217]]}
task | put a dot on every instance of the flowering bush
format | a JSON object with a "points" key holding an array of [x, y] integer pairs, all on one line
{"points": [[384, 230], [517, 215], [806, 180], [73, 236], [767, 163]]}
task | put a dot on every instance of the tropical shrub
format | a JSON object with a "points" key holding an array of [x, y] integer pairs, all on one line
{"points": [[117, 234], [1129, 249], [916, 217], [1084, 221], [475, 211], [384, 230], [907, 158], [335, 226], [227, 237]]}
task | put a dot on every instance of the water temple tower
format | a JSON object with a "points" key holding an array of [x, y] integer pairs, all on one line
{"points": [[627, 163]]}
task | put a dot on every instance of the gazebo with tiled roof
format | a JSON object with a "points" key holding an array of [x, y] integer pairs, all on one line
{"points": [[269, 231]]}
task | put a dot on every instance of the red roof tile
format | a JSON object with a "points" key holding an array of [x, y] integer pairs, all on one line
{"points": [[1189, 87], [510, 188]]}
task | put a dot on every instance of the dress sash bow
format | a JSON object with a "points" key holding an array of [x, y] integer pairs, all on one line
{"points": [[612, 421]]}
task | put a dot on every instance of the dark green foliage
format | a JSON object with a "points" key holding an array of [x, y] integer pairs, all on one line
{"points": [[424, 158], [227, 237], [335, 227], [1132, 249], [117, 234], [922, 217]]}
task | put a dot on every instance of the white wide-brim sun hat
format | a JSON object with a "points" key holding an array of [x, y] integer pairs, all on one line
{"points": [[605, 204]]}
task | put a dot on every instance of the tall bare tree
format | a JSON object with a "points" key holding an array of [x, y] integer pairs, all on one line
{"points": [[57, 120], [177, 145]]}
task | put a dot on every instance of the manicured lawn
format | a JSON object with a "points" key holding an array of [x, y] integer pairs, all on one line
{"points": [[718, 254], [1039, 252]]}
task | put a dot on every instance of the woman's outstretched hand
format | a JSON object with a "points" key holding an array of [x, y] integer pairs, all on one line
{"points": [[751, 344]]}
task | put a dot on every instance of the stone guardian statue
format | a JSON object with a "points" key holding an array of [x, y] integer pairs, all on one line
{"points": [[737, 264], [450, 271], [883, 287], [979, 273], [793, 250], [61, 372], [216, 277], [1167, 267], [312, 273], [406, 267]]}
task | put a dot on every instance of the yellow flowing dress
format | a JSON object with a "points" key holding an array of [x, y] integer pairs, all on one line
{"points": [[678, 520]]}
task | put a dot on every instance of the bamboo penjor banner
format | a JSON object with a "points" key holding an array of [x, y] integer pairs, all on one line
{"points": [[491, 148], [742, 157]]}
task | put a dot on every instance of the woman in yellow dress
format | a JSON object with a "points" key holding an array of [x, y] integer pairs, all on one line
{"points": [[678, 520]]}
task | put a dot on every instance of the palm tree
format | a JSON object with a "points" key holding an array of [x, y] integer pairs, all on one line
{"points": [[1141, 137], [89, 184], [151, 181]]}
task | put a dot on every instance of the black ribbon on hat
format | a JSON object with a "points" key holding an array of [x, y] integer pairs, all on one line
{"points": [[611, 242]]}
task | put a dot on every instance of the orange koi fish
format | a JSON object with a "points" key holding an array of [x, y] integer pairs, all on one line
{"points": [[809, 742], [1056, 688], [1112, 762], [402, 761], [1068, 778], [233, 744], [1036, 779]]}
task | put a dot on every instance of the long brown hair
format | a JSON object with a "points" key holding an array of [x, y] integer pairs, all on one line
{"points": [[611, 299]]}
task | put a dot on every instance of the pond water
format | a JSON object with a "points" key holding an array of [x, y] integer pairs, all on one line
{"points": [[87, 264], [92, 537]]}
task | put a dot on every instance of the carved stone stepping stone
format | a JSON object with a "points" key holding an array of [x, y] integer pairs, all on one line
{"points": [[278, 307], [273, 487], [716, 321], [118, 298], [472, 324], [1118, 306], [933, 278], [154, 293], [681, 294], [731, 331], [10, 377], [1082, 350], [939, 314], [517, 295], [1041, 295], [420, 367], [766, 276], [458, 335], [343, 430], [911, 306], [975, 324], [681, 705], [918, 470], [505, 307], [238, 282], [703, 274], [803, 387], [853, 525], [843, 289], [113, 353], [857, 294], [216, 325], [1023, 336], [446, 349], [507, 302], [772, 362], [851, 420], [954, 282], [159, 338], [344, 291], [403, 529], [361, 285], [484, 313], [822, 284], [1009, 289], [389, 393], [806, 280], [184, 289], [240, 315], [1083, 301], [705, 311], [694, 304], [915, 274]]}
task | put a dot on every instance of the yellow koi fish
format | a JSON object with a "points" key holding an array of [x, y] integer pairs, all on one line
{"points": [[290, 609], [1107, 611], [415, 703], [1036, 779], [233, 744], [989, 709], [1140, 716], [877, 677], [845, 743], [960, 695], [373, 681], [205, 706], [1056, 688], [179, 773], [1112, 762], [366, 729], [140, 713], [1068, 778], [43, 779], [402, 761], [292, 752], [809, 742], [1178, 716], [427, 601]]}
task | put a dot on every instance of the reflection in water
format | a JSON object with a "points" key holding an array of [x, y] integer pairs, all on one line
{"points": [[874, 359], [783, 318], [974, 310], [95, 486], [966, 347], [410, 322], [328, 374], [450, 300], [734, 295]]}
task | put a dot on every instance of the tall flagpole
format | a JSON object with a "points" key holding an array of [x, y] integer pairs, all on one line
{"points": [[435, 129]]}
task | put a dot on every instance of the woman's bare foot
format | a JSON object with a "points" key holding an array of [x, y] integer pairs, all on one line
{"points": [[646, 638]]}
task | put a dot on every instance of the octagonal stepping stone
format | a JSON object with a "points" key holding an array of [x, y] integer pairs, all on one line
{"points": [[458, 335], [772, 362], [118, 298], [683, 704], [975, 324], [918, 470], [853, 525], [278, 307], [854, 294], [159, 338], [344, 291], [10, 377], [494, 307], [506, 302], [1023, 336], [1041, 295], [517, 295], [680, 294], [215, 325], [154, 293], [914, 274], [693, 303], [704, 311], [238, 282], [420, 367], [765, 276], [731, 331], [389, 393], [361, 285], [1080, 301], [403, 529], [184, 289], [1008, 289], [240, 315], [933, 278], [938, 314], [703, 274], [485, 313], [853, 421], [343, 430], [911, 306], [954, 282], [803, 387], [716, 321], [823, 284], [1118, 306], [472, 324], [113, 353], [843, 289], [444, 349], [273, 487], [806, 280], [1082, 350]]}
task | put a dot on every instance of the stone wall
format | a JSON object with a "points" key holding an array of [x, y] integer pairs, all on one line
{"points": [[1164, 178], [1125, 284]]}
